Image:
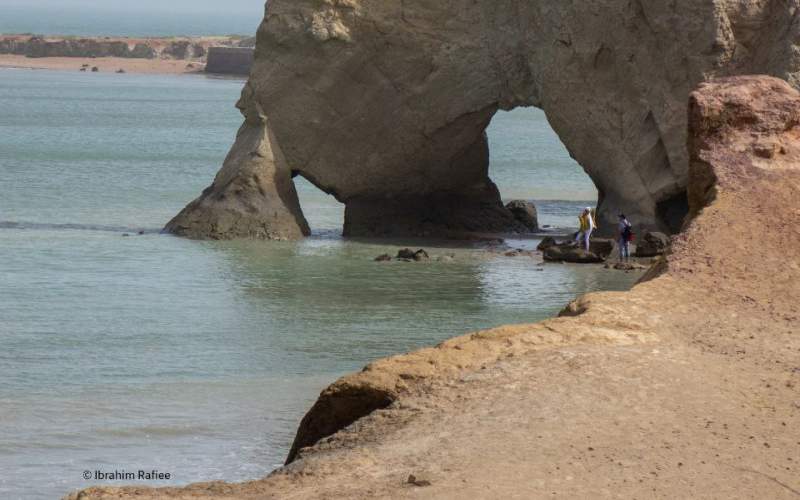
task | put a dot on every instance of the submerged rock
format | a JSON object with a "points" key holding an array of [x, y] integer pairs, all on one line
{"points": [[405, 253], [383, 258], [421, 255], [519, 252], [408, 254], [625, 266]]}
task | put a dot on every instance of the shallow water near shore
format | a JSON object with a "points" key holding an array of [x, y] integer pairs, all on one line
{"points": [[199, 358]]}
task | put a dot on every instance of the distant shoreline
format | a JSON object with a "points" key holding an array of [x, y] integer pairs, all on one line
{"points": [[103, 64], [149, 55]]}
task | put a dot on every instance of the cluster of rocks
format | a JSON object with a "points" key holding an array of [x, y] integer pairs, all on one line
{"points": [[552, 250], [96, 69], [652, 244]]}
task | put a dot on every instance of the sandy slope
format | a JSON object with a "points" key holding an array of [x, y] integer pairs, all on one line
{"points": [[686, 387]]}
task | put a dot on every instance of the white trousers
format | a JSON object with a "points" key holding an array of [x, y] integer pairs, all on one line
{"points": [[585, 236]]}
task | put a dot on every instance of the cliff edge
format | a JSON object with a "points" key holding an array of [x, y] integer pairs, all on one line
{"points": [[688, 386]]}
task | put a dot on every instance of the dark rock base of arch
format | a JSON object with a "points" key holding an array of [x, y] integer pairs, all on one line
{"points": [[445, 215]]}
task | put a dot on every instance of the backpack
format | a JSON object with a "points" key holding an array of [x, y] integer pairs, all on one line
{"points": [[627, 233]]}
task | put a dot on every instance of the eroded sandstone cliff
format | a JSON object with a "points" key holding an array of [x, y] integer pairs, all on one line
{"points": [[385, 104], [688, 386]]}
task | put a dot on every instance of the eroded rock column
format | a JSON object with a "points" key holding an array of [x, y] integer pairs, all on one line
{"points": [[253, 195]]}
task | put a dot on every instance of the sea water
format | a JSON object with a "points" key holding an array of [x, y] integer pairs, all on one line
{"points": [[198, 359], [133, 19]]}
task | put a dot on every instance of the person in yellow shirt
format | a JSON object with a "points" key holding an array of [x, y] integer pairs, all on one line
{"points": [[587, 225]]}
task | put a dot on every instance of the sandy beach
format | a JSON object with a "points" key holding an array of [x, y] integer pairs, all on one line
{"points": [[104, 64], [165, 55]]}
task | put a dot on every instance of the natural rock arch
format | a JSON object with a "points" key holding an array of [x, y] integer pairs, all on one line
{"points": [[384, 104]]}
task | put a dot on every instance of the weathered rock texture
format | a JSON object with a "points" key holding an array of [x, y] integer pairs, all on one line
{"points": [[688, 386], [254, 180], [572, 251], [652, 244], [384, 104], [229, 60], [525, 212]]}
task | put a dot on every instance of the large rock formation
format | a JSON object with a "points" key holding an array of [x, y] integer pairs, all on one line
{"points": [[687, 386], [252, 196], [229, 60], [385, 104]]}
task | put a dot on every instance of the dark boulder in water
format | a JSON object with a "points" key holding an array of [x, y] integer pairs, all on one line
{"points": [[525, 213], [408, 255], [564, 253], [421, 255], [546, 243], [652, 244], [599, 250], [405, 253], [602, 246]]}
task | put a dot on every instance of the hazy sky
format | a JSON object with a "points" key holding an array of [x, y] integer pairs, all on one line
{"points": [[227, 6], [131, 17]]}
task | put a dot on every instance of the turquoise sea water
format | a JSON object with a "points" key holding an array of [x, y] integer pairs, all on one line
{"points": [[200, 358], [128, 19]]}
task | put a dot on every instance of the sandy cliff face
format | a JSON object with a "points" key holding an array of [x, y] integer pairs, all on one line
{"points": [[384, 104], [688, 386]]}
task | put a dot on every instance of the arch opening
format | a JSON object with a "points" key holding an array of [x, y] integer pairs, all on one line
{"points": [[324, 213], [528, 161]]}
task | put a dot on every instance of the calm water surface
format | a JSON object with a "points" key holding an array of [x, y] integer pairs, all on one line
{"points": [[119, 18], [199, 358]]}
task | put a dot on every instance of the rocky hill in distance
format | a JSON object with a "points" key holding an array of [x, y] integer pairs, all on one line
{"points": [[190, 49]]}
